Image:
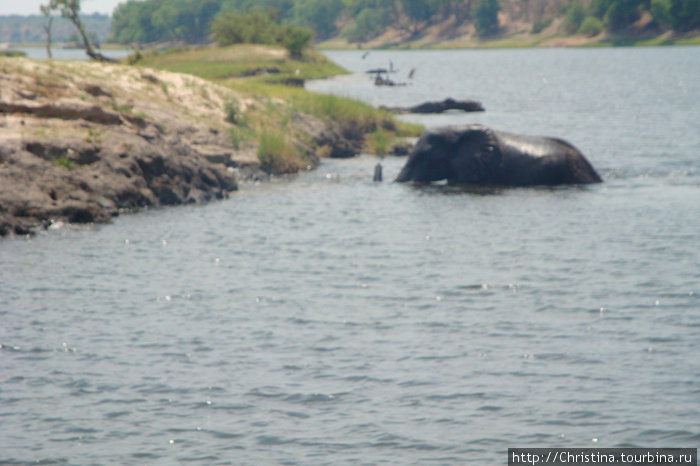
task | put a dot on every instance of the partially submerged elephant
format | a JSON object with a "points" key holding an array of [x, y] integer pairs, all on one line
{"points": [[475, 154]]}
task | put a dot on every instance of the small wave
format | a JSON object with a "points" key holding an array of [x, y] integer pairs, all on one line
{"points": [[161, 389], [270, 440], [416, 383], [219, 434], [421, 446], [324, 349], [145, 455], [80, 430], [294, 414], [365, 378], [222, 407], [13, 461], [313, 398], [680, 437], [117, 414], [456, 396], [126, 401], [257, 392], [490, 408], [204, 459]]}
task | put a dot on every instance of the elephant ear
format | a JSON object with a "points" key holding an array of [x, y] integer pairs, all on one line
{"points": [[428, 160], [475, 157]]}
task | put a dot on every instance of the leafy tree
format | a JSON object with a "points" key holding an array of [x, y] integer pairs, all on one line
{"points": [[255, 27], [661, 12], [417, 10], [621, 14], [591, 26], [131, 22], [685, 14], [486, 17], [540, 25], [191, 21], [574, 16], [369, 23], [71, 9], [296, 39], [156, 20], [600, 7], [319, 15], [617, 14]]}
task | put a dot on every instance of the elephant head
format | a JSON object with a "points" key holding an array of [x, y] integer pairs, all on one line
{"points": [[456, 154]]}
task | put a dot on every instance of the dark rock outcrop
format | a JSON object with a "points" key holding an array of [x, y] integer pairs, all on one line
{"points": [[74, 151], [440, 107]]}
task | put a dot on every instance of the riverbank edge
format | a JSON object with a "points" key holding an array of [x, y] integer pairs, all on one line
{"points": [[78, 145], [515, 41]]}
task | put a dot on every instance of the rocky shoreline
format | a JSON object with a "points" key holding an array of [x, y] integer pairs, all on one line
{"points": [[82, 142]]}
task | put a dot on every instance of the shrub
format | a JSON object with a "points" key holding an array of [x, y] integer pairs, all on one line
{"points": [[574, 17], [231, 110], [277, 154], [257, 27], [685, 14], [486, 17], [591, 26], [621, 14], [661, 12], [296, 39], [248, 28], [540, 25], [235, 138], [369, 23]]}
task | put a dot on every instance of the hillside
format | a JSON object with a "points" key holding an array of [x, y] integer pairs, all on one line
{"points": [[421, 23], [517, 23]]}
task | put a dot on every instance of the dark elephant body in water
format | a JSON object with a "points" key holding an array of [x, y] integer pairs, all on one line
{"points": [[475, 154]]}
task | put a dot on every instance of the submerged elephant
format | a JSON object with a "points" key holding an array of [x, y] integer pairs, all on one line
{"points": [[475, 154]]}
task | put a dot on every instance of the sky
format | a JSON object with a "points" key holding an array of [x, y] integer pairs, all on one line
{"points": [[31, 7]]}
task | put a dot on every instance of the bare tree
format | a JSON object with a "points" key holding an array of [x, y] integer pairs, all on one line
{"points": [[71, 9], [46, 11]]}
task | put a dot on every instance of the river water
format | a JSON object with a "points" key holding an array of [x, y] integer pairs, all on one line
{"points": [[327, 319], [59, 53]]}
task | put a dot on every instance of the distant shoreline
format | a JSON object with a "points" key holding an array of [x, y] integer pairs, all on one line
{"points": [[521, 42], [507, 42]]}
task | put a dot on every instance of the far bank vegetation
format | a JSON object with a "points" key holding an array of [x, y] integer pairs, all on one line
{"points": [[393, 22]]}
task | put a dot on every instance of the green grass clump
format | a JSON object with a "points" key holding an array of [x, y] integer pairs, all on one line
{"points": [[232, 112], [12, 53], [270, 121], [64, 161], [358, 120], [340, 109], [278, 155], [378, 142], [239, 60]]}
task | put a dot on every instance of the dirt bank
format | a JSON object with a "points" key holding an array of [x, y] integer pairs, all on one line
{"points": [[82, 142]]}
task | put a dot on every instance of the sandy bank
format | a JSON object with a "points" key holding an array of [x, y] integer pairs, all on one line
{"points": [[81, 142]]}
